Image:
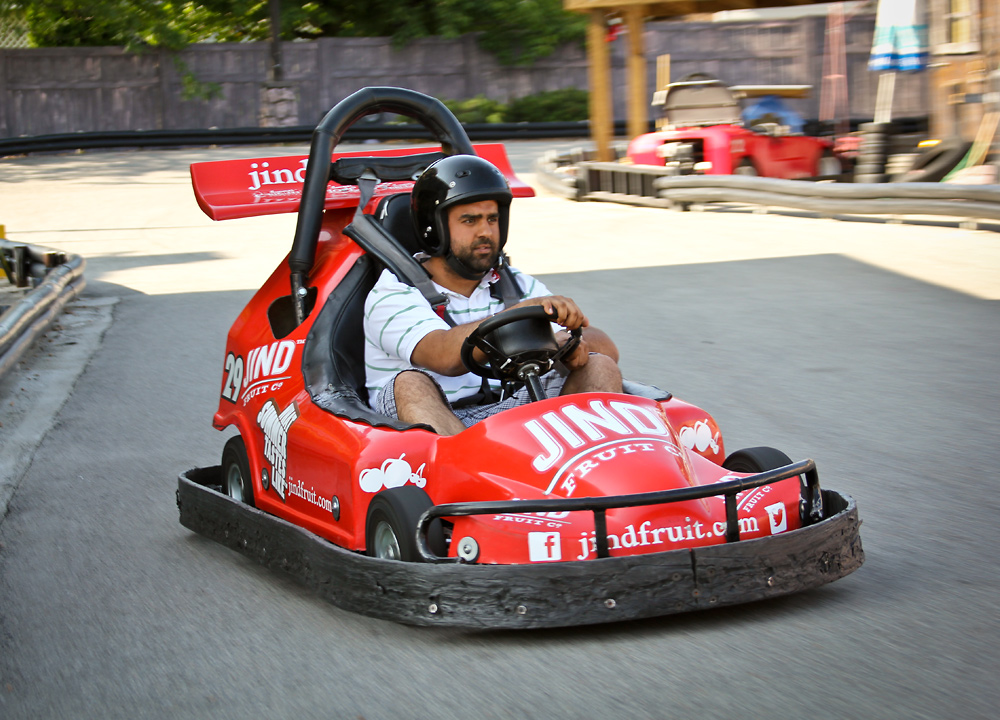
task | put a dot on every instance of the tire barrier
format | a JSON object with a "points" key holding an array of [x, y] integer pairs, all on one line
{"points": [[566, 173], [870, 166], [55, 279], [581, 179], [556, 172], [962, 201]]}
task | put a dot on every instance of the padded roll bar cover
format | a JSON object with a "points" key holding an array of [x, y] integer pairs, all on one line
{"points": [[430, 111]]}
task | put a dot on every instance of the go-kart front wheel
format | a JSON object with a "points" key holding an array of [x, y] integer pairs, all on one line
{"points": [[761, 459], [236, 482], [756, 460], [391, 528]]}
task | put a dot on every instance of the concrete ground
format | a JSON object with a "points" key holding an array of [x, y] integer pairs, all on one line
{"points": [[132, 215], [869, 345]]}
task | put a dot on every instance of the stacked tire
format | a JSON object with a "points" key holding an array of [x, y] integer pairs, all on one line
{"points": [[870, 166]]}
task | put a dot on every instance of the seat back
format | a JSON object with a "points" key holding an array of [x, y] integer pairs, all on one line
{"points": [[698, 101], [393, 213], [333, 363]]}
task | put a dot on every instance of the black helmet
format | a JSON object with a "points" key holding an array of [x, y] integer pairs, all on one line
{"points": [[455, 180]]}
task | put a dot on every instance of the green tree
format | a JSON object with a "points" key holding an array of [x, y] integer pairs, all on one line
{"points": [[75, 23], [519, 31], [516, 31]]}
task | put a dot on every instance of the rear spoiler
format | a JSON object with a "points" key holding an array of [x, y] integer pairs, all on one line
{"points": [[227, 189]]}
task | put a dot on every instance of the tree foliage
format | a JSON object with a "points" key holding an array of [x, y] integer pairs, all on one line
{"points": [[76, 23], [515, 31]]}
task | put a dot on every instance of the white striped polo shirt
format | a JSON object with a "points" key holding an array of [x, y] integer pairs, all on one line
{"points": [[397, 317]]}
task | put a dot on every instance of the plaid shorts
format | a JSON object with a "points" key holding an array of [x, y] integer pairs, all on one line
{"points": [[552, 383]]}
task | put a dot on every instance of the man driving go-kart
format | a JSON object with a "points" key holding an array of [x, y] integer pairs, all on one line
{"points": [[461, 209], [396, 314]]}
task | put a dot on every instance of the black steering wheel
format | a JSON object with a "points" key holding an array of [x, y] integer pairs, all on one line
{"points": [[519, 346]]}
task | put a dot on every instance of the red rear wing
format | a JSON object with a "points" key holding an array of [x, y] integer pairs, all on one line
{"points": [[228, 189]]}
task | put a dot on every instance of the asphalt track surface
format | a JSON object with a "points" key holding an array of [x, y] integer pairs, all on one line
{"points": [[871, 347]]}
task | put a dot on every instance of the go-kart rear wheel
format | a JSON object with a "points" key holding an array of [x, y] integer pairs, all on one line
{"points": [[236, 482], [391, 528], [756, 460], [830, 165]]}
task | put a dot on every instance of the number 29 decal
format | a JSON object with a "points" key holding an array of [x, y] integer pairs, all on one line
{"points": [[233, 378]]}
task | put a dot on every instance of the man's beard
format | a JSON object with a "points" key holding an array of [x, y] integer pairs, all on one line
{"points": [[479, 263]]}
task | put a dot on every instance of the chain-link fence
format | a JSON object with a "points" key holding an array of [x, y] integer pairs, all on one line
{"points": [[13, 33]]}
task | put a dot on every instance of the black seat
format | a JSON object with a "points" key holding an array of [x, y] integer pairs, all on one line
{"points": [[333, 363], [393, 213]]}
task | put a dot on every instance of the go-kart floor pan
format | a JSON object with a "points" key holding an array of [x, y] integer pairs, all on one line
{"points": [[530, 596]]}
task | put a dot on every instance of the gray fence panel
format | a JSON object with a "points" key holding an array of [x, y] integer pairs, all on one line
{"points": [[238, 69], [58, 90]]}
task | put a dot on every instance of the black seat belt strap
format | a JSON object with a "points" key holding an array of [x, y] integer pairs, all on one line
{"points": [[506, 288]]}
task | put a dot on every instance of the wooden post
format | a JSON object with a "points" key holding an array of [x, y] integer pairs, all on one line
{"points": [[638, 99], [662, 80], [884, 95], [662, 71], [601, 114]]}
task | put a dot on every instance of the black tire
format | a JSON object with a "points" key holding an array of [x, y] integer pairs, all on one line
{"points": [[756, 460], [869, 169], [871, 157], [875, 127], [830, 165], [746, 168], [875, 142], [391, 527], [936, 162], [236, 480]]}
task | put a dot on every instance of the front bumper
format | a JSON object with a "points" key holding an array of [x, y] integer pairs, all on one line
{"points": [[531, 596]]}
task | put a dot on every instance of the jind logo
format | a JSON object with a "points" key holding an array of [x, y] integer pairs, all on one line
{"points": [[262, 174], [565, 438]]}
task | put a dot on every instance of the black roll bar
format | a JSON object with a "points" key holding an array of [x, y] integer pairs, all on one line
{"points": [[428, 111]]}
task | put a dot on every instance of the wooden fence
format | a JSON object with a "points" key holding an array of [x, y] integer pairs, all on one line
{"points": [[58, 90]]}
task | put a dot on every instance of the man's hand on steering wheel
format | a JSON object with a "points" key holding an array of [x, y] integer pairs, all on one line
{"points": [[578, 357], [566, 312], [570, 316]]}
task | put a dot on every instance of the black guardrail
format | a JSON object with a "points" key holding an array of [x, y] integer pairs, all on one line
{"points": [[67, 142]]}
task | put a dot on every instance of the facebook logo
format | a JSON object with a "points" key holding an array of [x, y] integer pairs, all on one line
{"points": [[544, 546]]}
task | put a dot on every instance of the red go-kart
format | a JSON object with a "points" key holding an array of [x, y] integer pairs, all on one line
{"points": [[703, 132], [568, 510]]}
